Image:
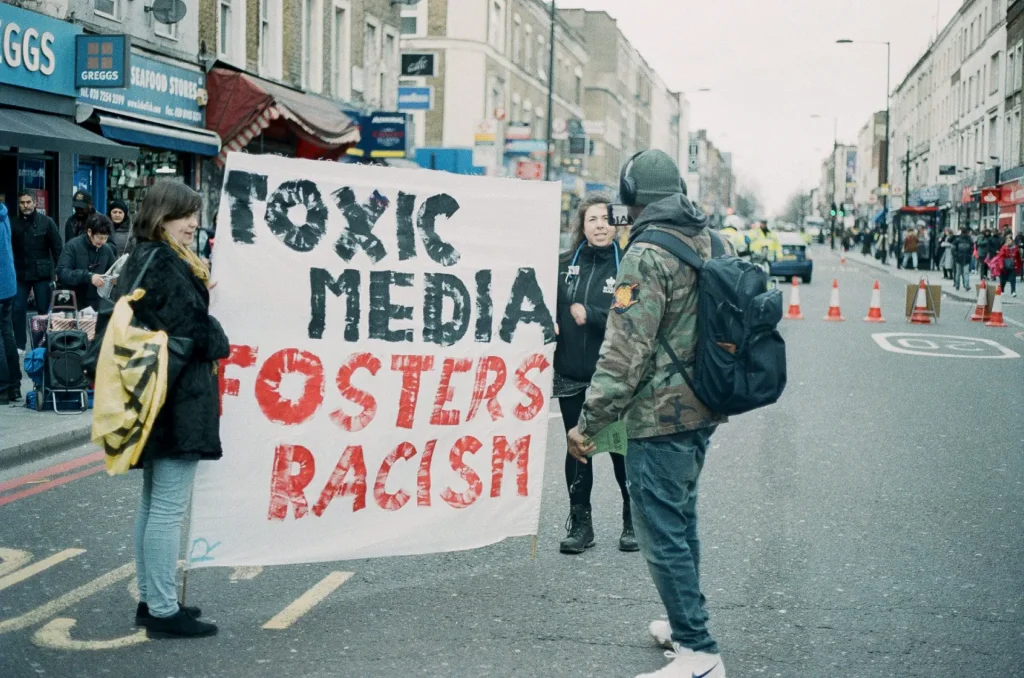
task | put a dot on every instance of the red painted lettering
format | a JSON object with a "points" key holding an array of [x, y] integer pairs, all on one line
{"points": [[423, 475], [384, 499], [461, 500], [282, 410], [441, 416], [526, 412], [358, 396], [287, 487], [488, 390], [518, 452], [243, 356], [412, 368], [351, 460]]}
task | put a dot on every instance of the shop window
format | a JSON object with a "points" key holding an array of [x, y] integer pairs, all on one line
{"points": [[110, 9], [130, 180]]}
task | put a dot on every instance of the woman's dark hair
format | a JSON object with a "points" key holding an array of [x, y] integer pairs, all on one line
{"points": [[99, 224], [589, 201], [166, 201]]}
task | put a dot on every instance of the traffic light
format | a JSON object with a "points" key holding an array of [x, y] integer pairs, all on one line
{"points": [[833, 212], [840, 211]]}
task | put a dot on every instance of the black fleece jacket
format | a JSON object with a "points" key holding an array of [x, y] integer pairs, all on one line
{"points": [[592, 284]]}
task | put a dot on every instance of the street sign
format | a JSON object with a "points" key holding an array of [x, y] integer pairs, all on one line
{"points": [[533, 171], [415, 98], [897, 190], [578, 145], [559, 130], [518, 131], [872, 199], [419, 65]]}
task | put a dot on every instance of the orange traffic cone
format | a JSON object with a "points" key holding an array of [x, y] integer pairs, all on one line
{"points": [[997, 310], [875, 312], [833, 305], [981, 310], [921, 315], [794, 302], [842, 259]]}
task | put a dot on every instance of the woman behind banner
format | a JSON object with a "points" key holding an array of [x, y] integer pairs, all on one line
{"points": [[586, 288], [187, 430]]}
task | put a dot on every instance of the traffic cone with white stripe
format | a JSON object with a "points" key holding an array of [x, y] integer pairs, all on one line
{"points": [[842, 259], [794, 302], [997, 310], [981, 310], [833, 305], [875, 311], [921, 316]]}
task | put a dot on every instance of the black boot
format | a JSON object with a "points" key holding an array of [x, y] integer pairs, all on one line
{"points": [[14, 394], [581, 531], [627, 542], [179, 625], [142, 615]]}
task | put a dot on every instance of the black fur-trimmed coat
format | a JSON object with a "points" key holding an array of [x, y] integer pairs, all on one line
{"points": [[176, 301]]}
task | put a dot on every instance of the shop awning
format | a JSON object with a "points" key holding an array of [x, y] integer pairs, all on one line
{"points": [[199, 141], [919, 209], [25, 129], [242, 106]]}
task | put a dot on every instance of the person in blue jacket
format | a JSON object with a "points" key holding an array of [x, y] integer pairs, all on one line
{"points": [[10, 372], [586, 289]]}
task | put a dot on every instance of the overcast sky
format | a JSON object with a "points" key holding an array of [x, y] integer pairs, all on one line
{"points": [[771, 64]]}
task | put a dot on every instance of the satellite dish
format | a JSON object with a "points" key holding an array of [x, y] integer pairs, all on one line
{"points": [[168, 11]]}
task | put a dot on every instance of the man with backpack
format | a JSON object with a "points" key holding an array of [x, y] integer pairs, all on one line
{"points": [[652, 343], [963, 252]]}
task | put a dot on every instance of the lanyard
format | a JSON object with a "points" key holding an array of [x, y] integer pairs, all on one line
{"points": [[574, 270]]}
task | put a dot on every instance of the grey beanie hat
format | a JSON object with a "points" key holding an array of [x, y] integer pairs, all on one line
{"points": [[655, 176]]}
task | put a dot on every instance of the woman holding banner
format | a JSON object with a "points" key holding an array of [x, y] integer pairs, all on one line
{"points": [[187, 429], [586, 286]]}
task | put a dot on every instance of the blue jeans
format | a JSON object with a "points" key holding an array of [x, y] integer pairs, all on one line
{"points": [[10, 371], [661, 474], [42, 307], [166, 492], [962, 272]]}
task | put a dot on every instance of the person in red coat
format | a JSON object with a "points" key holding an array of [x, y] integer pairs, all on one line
{"points": [[1008, 261]]}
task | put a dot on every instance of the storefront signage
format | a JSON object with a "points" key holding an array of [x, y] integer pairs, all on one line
{"points": [[37, 52], [415, 98], [419, 65], [382, 135], [526, 147], [102, 60], [155, 90], [1013, 193], [533, 171], [989, 196], [518, 131]]}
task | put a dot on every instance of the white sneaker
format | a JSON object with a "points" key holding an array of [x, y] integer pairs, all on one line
{"points": [[661, 631], [689, 664]]}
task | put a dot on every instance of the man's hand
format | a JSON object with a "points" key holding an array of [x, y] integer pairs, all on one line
{"points": [[97, 280], [579, 314], [579, 447]]}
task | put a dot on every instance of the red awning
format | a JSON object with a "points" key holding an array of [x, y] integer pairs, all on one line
{"points": [[919, 210], [242, 106]]}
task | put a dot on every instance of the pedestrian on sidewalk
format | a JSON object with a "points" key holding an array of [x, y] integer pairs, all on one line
{"points": [[83, 209], [187, 430], [963, 252], [1008, 259], [121, 238], [84, 261], [946, 259], [586, 285], [986, 246], [10, 372], [910, 245], [668, 427], [37, 247]]}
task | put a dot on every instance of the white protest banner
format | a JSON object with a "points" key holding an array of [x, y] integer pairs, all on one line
{"points": [[392, 335]]}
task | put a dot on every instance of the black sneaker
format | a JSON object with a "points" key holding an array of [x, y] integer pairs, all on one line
{"points": [[142, 615], [179, 625], [627, 542], [14, 394]]}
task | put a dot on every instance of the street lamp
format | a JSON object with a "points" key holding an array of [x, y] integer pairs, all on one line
{"points": [[888, 69]]}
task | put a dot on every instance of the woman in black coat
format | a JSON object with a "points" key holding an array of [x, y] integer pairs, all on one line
{"points": [[187, 429], [586, 288]]}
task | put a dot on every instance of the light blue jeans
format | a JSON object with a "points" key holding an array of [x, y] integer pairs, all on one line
{"points": [[166, 491], [962, 273], [662, 474]]}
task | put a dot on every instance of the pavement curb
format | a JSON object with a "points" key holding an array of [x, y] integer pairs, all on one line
{"points": [[873, 263], [55, 442]]}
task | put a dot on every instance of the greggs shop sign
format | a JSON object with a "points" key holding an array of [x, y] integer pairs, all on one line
{"points": [[37, 52]]}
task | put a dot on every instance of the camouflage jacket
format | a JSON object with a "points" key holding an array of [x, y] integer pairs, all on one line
{"points": [[655, 294]]}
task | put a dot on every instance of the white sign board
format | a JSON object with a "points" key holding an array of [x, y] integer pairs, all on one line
{"points": [[391, 362]]}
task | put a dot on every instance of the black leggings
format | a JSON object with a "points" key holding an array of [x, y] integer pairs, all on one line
{"points": [[579, 478], [1008, 277]]}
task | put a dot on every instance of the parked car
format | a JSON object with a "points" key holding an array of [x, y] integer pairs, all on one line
{"points": [[791, 259]]}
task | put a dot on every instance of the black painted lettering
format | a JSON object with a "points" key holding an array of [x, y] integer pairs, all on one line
{"points": [[484, 307], [347, 284], [406, 235], [382, 311], [525, 289], [437, 288], [242, 189], [438, 249], [302, 237], [360, 222]]}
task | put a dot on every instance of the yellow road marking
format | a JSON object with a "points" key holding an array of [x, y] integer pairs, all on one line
{"points": [[307, 601], [12, 559], [21, 575], [57, 605], [57, 636]]}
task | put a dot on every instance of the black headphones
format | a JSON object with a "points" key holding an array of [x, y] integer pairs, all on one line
{"points": [[627, 184]]}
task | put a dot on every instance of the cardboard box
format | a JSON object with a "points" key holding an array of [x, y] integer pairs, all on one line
{"points": [[933, 299]]}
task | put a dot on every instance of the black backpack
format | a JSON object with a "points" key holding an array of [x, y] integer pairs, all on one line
{"points": [[740, 359]]}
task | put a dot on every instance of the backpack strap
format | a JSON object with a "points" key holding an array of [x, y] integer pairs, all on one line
{"points": [[680, 367], [673, 246]]}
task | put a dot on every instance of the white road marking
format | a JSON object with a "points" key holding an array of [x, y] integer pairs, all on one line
{"points": [[307, 601], [57, 605], [942, 346], [57, 636], [1012, 321], [245, 573], [21, 575], [13, 559]]}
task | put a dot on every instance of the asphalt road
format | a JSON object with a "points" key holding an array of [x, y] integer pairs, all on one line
{"points": [[868, 525]]}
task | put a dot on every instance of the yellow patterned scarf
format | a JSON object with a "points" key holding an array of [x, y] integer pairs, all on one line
{"points": [[199, 269]]}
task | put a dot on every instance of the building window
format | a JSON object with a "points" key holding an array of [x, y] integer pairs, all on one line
{"points": [[496, 25], [1008, 155], [168, 31], [409, 25], [1018, 68], [517, 41], [312, 45], [542, 67], [414, 19], [371, 61], [528, 112], [110, 9], [528, 42], [993, 73], [578, 90], [340, 50], [388, 69], [1014, 133], [993, 135], [224, 33], [514, 112], [270, 38]]}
